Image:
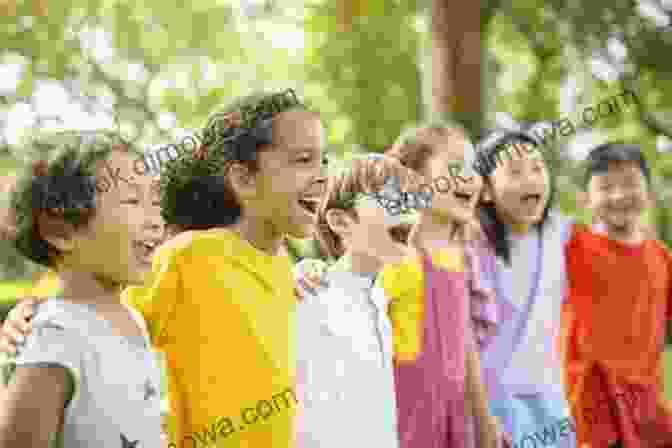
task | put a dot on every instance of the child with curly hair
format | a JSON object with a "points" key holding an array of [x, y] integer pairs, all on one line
{"points": [[85, 375], [221, 303]]}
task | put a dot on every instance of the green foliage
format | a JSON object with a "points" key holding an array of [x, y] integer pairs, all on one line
{"points": [[183, 59], [371, 72]]}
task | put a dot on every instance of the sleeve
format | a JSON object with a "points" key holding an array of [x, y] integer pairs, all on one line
{"points": [[403, 284], [157, 301], [52, 344], [668, 314]]}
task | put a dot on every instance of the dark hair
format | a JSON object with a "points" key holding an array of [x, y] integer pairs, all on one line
{"points": [[57, 187], [195, 191], [487, 151], [600, 157]]}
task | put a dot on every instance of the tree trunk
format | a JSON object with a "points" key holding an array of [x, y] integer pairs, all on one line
{"points": [[456, 63], [347, 10]]}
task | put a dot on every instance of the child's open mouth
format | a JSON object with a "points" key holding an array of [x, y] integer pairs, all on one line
{"points": [[310, 205], [399, 233], [531, 200], [464, 198], [144, 249]]}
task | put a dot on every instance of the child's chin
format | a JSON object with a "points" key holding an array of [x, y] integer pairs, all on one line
{"points": [[622, 222]]}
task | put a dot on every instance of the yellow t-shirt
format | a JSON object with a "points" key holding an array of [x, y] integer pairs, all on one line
{"points": [[404, 285], [223, 313]]}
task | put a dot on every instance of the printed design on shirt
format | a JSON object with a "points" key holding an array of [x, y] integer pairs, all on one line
{"points": [[125, 443], [149, 390]]}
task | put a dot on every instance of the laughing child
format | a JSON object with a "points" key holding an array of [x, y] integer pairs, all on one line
{"points": [[441, 313], [222, 302], [85, 375], [522, 364], [344, 336], [618, 309]]}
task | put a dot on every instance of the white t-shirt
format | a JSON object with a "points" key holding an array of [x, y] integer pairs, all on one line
{"points": [[116, 399], [345, 373]]}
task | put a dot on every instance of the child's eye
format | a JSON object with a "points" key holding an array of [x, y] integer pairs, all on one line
{"points": [[132, 201]]}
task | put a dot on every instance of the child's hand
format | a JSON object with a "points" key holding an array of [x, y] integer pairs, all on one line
{"points": [[309, 283], [17, 325], [309, 276]]}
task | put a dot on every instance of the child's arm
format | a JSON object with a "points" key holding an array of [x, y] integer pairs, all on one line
{"points": [[486, 424], [31, 411]]}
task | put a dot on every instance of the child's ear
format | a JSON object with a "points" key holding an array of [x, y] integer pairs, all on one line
{"points": [[338, 220], [59, 234], [242, 180], [64, 244]]}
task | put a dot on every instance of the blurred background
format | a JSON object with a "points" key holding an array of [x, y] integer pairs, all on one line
{"points": [[154, 69]]}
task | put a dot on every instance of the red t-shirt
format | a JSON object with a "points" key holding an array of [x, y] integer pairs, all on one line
{"points": [[614, 319]]}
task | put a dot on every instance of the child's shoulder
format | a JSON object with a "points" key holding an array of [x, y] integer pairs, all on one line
{"points": [[661, 248], [201, 240], [58, 314]]}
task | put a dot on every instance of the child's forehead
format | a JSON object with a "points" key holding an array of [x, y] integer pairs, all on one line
{"points": [[617, 169], [297, 126], [519, 153]]}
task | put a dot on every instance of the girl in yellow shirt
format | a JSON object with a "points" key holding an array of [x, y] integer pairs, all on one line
{"points": [[221, 302]]}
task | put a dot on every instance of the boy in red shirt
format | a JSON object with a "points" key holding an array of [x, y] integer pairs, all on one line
{"points": [[617, 309]]}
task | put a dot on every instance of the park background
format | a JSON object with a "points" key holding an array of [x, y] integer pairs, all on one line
{"points": [[153, 69]]}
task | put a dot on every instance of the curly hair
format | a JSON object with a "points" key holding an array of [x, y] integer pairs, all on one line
{"points": [[195, 193], [57, 187]]}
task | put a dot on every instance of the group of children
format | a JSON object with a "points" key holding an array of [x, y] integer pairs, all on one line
{"points": [[482, 320]]}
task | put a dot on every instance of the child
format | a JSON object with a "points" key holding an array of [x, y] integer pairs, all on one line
{"points": [[344, 337], [618, 307], [522, 365], [256, 178], [435, 342], [219, 287], [85, 376]]}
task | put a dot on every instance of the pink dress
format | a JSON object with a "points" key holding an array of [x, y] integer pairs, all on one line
{"points": [[431, 404]]}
